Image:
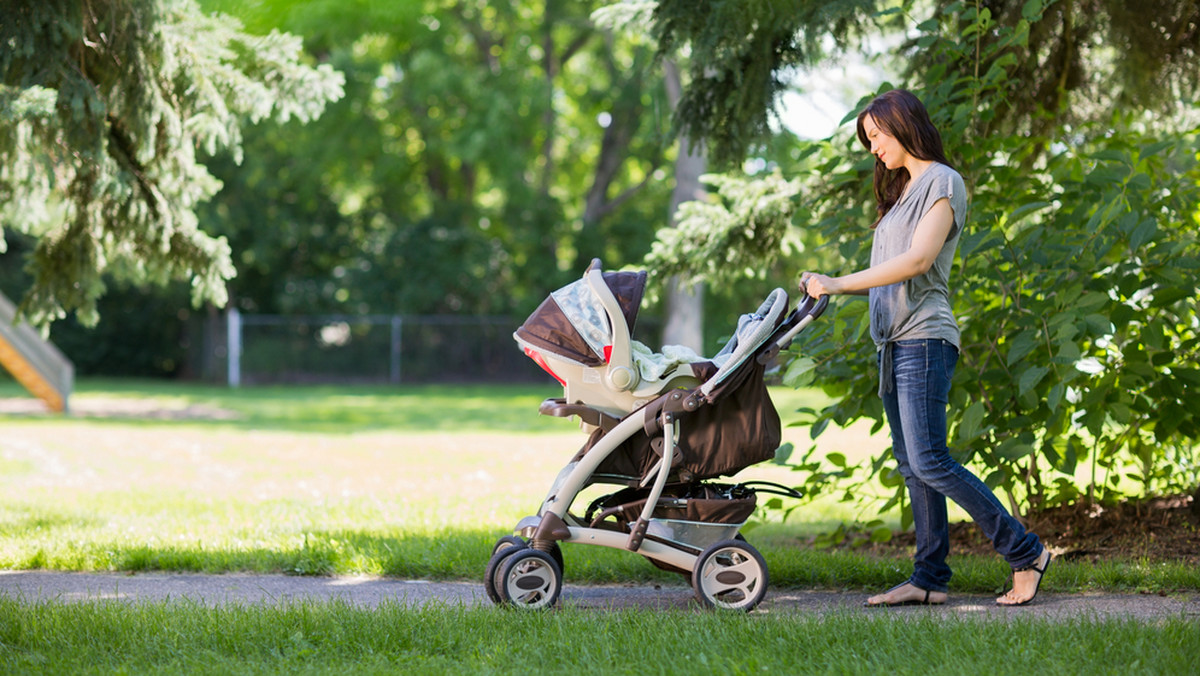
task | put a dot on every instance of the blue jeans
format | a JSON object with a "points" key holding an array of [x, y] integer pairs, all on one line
{"points": [[916, 412]]}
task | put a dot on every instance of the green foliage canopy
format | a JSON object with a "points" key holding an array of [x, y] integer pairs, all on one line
{"points": [[1083, 60], [740, 56], [1076, 285], [480, 151], [104, 106]]}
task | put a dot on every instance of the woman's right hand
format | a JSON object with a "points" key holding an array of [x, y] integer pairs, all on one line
{"points": [[817, 285]]}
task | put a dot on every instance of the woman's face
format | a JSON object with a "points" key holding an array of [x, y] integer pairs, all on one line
{"points": [[883, 145]]}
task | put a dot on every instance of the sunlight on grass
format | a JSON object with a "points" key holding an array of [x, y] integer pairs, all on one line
{"points": [[328, 480], [330, 409]]}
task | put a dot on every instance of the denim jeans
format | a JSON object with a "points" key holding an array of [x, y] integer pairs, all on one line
{"points": [[916, 412]]}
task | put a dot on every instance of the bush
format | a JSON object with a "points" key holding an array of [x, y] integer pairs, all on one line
{"points": [[1074, 289]]}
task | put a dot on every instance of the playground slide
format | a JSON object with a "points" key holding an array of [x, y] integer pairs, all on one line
{"points": [[33, 360]]}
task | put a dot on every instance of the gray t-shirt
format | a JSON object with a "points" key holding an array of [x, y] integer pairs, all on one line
{"points": [[920, 307]]}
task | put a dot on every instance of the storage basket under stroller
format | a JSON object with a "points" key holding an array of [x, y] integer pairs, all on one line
{"points": [[690, 515]]}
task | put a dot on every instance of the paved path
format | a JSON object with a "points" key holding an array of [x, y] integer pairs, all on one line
{"points": [[43, 586]]}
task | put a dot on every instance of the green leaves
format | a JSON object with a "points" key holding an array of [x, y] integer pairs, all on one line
{"points": [[970, 424], [1075, 292], [738, 53], [1032, 11], [1142, 234], [730, 238], [139, 88], [800, 372], [1021, 346], [1030, 377]]}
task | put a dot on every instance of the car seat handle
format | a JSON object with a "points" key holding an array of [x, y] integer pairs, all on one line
{"points": [[622, 374]]}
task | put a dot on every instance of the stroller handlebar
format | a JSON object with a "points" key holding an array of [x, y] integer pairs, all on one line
{"points": [[812, 307], [805, 313], [819, 308]]}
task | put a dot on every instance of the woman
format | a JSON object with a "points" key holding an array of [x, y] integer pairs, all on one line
{"points": [[921, 210]]}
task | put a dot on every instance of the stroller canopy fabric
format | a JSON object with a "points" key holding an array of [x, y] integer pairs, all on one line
{"points": [[753, 330], [572, 323]]}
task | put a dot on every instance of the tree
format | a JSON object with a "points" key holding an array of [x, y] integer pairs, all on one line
{"points": [[482, 150], [1078, 270], [104, 107], [1084, 60], [685, 303], [740, 54]]}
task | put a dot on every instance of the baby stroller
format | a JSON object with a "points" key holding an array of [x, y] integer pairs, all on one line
{"points": [[661, 426]]}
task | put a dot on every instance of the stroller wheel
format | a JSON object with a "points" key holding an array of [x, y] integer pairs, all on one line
{"points": [[504, 548], [730, 575], [529, 578], [506, 542]]}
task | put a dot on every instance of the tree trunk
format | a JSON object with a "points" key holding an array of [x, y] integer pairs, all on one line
{"points": [[684, 304]]}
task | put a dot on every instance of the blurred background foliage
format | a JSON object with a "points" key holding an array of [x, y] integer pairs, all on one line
{"points": [[481, 155], [477, 155]]}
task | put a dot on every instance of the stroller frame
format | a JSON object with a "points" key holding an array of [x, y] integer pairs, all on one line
{"points": [[525, 569]]}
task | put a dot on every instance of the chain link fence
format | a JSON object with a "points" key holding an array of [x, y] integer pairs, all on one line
{"points": [[244, 349]]}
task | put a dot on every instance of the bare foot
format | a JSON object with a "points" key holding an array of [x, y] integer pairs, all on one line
{"points": [[1026, 582], [907, 594]]}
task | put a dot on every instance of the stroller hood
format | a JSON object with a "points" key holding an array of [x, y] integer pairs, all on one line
{"points": [[572, 323]]}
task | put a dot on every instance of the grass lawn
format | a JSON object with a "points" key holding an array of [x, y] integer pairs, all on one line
{"points": [[418, 482], [333, 638], [409, 482]]}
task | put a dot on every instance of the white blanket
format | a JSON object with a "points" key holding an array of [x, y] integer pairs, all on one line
{"points": [[653, 365]]}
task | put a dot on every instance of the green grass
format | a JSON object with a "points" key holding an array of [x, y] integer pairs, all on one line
{"points": [[319, 638], [330, 409], [373, 481], [417, 482]]}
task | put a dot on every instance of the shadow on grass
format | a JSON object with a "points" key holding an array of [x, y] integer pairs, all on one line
{"points": [[463, 555], [446, 555], [496, 407], [19, 521]]}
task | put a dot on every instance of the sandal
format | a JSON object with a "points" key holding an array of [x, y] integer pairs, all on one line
{"points": [[916, 597], [1044, 559]]}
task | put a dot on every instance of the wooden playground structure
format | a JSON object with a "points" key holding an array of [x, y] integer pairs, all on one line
{"points": [[34, 361]]}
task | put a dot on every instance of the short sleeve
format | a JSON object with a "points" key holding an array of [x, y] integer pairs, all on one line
{"points": [[947, 184]]}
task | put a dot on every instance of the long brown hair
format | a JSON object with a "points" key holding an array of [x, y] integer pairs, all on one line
{"points": [[902, 115]]}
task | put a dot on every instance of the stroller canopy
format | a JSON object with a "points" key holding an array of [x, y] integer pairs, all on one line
{"points": [[572, 323]]}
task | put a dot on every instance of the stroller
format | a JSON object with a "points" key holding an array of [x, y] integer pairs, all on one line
{"points": [[661, 426]]}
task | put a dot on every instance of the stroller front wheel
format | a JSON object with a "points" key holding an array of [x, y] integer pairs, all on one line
{"points": [[504, 548], [507, 541], [730, 575], [529, 578]]}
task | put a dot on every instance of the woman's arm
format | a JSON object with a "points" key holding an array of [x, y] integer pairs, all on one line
{"points": [[928, 239]]}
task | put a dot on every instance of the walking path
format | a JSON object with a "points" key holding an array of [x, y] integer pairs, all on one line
{"points": [[44, 586]]}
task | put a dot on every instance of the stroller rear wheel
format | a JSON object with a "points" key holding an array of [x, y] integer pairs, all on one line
{"points": [[730, 575], [529, 578]]}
